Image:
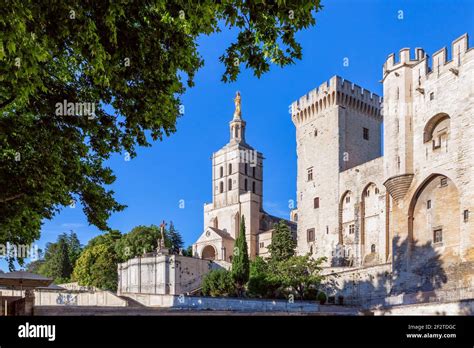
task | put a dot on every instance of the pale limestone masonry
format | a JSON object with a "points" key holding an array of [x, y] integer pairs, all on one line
{"points": [[237, 191], [162, 274], [330, 124], [411, 210]]}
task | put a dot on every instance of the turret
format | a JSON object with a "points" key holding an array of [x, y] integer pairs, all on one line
{"points": [[399, 85], [237, 125]]}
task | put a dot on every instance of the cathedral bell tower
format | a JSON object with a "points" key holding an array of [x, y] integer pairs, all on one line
{"points": [[237, 167], [237, 192]]}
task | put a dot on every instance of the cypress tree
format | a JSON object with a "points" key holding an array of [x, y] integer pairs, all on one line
{"points": [[240, 260], [176, 240]]}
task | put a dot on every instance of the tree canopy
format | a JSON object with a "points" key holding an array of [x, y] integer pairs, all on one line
{"points": [[298, 273], [283, 245], [136, 57], [140, 240], [59, 258], [97, 265]]}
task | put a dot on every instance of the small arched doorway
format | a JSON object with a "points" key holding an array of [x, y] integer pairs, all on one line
{"points": [[208, 253]]}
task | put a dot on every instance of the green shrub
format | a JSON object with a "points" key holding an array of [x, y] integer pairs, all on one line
{"points": [[218, 283], [311, 294], [322, 297]]}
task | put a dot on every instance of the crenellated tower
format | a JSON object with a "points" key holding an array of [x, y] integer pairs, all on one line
{"points": [[399, 86], [337, 128]]}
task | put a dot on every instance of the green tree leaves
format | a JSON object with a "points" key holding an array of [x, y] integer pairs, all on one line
{"points": [[218, 283], [175, 240], [97, 265], [240, 260], [298, 273], [138, 58], [283, 245], [59, 258], [140, 240]]}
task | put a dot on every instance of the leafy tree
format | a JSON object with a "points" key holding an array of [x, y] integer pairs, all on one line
{"points": [[283, 245], [35, 266], [97, 266], [58, 262], [140, 240], [111, 237], [260, 284], [175, 239], [137, 58], [74, 246], [299, 273], [59, 258], [218, 283], [188, 251], [258, 267], [240, 260]]}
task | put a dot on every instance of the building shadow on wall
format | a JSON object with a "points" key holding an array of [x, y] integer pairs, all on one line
{"points": [[417, 271], [466, 307]]}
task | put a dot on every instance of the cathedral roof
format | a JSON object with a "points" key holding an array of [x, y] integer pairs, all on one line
{"points": [[267, 222], [221, 233]]}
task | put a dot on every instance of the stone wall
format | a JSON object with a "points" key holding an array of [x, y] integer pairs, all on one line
{"points": [[46, 297], [384, 286], [162, 274], [224, 304], [360, 284], [363, 208], [330, 139], [421, 219], [447, 308]]}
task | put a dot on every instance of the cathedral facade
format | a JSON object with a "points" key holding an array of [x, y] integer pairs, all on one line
{"points": [[404, 204], [237, 191]]}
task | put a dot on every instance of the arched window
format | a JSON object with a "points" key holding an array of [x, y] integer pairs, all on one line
{"points": [[230, 168], [230, 185], [253, 186], [316, 203], [222, 171], [246, 168], [253, 172], [437, 130], [245, 185], [236, 135], [221, 187], [372, 248]]}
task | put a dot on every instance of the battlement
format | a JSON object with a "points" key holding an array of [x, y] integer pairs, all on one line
{"points": [[404, 59], [336, 91], [460, 47]]}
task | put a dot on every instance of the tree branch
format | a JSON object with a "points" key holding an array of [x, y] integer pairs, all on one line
{"points": [[11, 198], [6, 102]]}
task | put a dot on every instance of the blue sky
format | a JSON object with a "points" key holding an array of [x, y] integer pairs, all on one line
{"points": [[179, 168]]}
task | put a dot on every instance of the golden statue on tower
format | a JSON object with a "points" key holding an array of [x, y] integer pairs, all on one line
{"points": [[237, 111]]}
